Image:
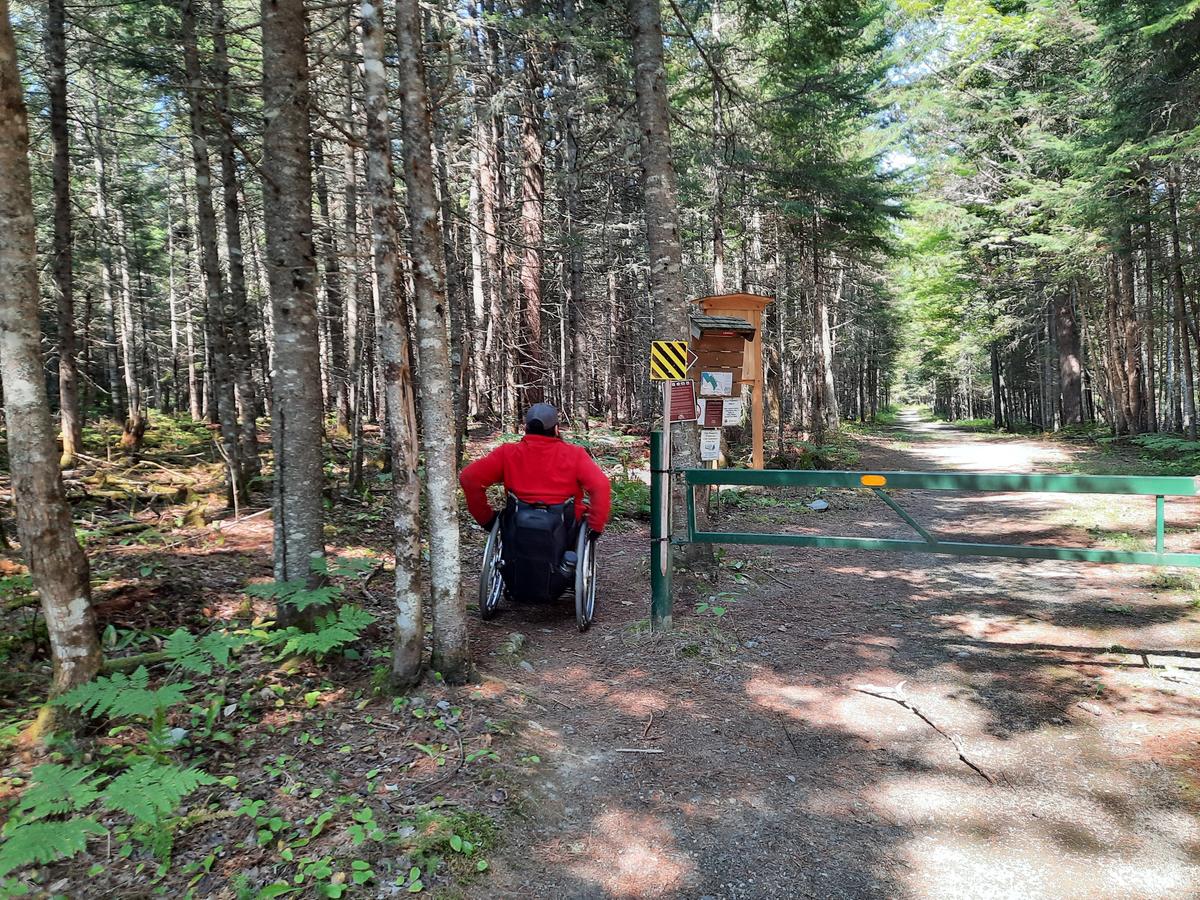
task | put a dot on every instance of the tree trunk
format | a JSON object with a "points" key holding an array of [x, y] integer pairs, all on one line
{"points": [[1177, 288], [236, 315], [997, 393], [1131, 331], [662, 219], [578, 369], [334, 300], [531, 373], [717, 188], [56, 562], [62, 262], [135, 410], [393, 329], [297, 414], [1118, 383], [104, 235], [451, 651], [829, 404], [220, 372], [1070, 372]]}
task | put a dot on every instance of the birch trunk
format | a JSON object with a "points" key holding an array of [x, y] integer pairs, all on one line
{"points": [[451, 652], [407, 647], [297, 414], [56, 562]]}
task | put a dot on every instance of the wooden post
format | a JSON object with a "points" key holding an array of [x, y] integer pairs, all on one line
{"points": [[757, 424]]}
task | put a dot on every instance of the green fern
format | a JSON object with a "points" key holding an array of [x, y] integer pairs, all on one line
{"points": [[149, 790], [275, 590], [43, 842], [219, 645], [295, 593], [119, 695], [56, 790], [332, 632], [184, 650], [199, 655]]}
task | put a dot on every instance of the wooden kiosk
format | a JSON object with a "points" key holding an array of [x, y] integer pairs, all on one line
{"points": [[749, 308]]}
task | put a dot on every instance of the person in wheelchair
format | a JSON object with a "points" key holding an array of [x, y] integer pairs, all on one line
{"points": [[544, 519]]}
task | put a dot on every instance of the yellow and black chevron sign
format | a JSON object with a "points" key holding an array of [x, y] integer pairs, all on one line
{"points": [[668, 360]]}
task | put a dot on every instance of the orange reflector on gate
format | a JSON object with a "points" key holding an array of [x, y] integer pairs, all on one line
{"points": [[873, 480]]}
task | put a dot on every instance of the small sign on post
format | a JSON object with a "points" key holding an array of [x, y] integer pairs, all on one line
{"points": [[732, 411], [669, 360], [710, 444], [711, 413], [683, 402]]}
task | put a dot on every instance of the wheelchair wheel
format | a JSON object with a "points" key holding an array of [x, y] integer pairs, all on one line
{"points": [[491, 582], [585, 580]]}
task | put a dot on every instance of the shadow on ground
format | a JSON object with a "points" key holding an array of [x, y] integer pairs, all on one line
{"points": [[1045, 745]]}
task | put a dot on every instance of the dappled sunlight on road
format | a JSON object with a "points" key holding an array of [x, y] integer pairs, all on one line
{"points": [[861, 725], [1045, 838], [631, 855]]}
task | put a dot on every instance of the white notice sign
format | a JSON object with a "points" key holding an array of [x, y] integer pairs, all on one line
{"points": [[710, 444], [731, 412], [716, 384]]}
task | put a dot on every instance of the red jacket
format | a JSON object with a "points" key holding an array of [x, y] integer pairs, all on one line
{"points": [[539, 469]]}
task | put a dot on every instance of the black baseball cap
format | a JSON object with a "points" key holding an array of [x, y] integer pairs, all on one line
{"points": [[541, 417]]}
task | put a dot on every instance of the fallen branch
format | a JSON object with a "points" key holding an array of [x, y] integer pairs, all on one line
{"points": [[129, 663], [896, 695]]}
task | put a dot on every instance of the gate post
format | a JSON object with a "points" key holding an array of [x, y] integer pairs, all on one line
{"points": [[660, 532]]}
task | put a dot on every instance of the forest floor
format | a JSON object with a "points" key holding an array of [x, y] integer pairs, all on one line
{"points": [[1049, 748], [1047, 744]]}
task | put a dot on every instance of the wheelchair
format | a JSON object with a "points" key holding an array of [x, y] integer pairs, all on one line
{"points": [[526, 559]]}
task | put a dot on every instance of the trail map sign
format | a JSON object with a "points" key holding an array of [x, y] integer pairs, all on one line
{"points": [[716, 384], [668, 360]]}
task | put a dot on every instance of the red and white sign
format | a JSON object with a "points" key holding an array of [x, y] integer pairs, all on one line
{"points": [[683, 402], [711, 413]]}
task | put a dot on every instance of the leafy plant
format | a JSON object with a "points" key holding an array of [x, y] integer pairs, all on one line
{"points": [[57, 813], [44, 842], [119, 695], [630, 498], [334, 629]]}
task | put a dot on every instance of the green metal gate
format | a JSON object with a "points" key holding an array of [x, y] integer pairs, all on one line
{"points": [[1159, 487]]}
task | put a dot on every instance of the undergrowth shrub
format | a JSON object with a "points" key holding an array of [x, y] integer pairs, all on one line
{"points": [[1178, 455], [335, 629], [147, 778], [64, 803], [630, 498]]}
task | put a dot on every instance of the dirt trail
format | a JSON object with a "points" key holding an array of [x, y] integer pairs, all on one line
{"points": [[1065, 761]]}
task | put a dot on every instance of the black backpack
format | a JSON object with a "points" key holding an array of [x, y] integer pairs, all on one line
{"points": [[536, 536]]}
